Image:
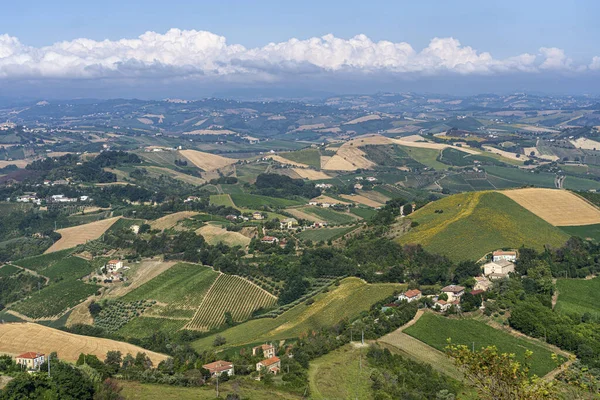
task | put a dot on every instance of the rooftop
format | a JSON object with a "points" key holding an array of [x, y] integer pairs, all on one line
{"points": [[453, 288], [412, 293], [270, 361], [30, 355], [218, 366], [504, 253]]}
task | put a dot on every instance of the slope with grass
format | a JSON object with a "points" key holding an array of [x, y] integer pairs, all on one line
{"points": [[255, 201], [323, 234], [578, 296], [332, 217], [215, 234], [169, 221], [469, 225], [81, 234], [348, 300], [310, 157], [233, 294], [435, 331]]}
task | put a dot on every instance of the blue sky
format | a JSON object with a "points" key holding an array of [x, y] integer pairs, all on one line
{"points": [[506, 30]]}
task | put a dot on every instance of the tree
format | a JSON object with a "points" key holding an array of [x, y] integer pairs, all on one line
{"points": [[113, 361], [498, 376], [443, 296], [219, 341], [108, 390]]}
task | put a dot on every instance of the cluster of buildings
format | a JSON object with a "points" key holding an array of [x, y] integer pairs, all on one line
{"points": [[271, 363], [57, 198], [501, 265], [113, 271]]}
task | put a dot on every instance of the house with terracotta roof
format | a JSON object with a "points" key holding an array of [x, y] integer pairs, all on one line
{"points": [[218, 367], [273, 365], [454, 292], [504, 255], [31, 360], [268, 350], [410, 295], [114, 265], [269, 239]]}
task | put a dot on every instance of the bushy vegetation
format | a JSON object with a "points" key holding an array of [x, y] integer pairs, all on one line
{"points": [[276, 185], [115, 315]]}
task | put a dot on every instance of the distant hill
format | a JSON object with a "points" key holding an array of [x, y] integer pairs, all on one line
{"points": [[469, 225]]}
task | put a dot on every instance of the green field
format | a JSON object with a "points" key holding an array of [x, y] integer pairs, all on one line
{"points": [[42, 261], [144, 326], [230, 294], [520, 177], [473, 224], [68, 268], [310, 157], [125, 223], [338, 375], [352, 297], [55, 299], [181, 287], [323, 234], [8, 270], [221, 200], [583, 231], [7, 208], [435, 330], [578, 296], [365, 213], [246, 388], [427, 157], [255, 201], [332, 217]]}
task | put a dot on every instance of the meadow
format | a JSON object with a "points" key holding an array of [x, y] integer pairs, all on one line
{"points": [[310, 157], [142, 326], [332, 217], [578, 296], [364, 213], [8, 270], [435, 331], [583, 231], [323, 234], [348, 300], [40, 262], [469, 225], [255, 201], [427, 157]]}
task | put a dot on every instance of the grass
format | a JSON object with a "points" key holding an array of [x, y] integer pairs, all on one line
{"points": [[435, 331], [332, 217], [338, 375], [40, 262], [473, 224], [125, 223], [310, 157], [257, 201], [521, 177], [247, 389], [143, 326], [352, 297], [365, 213], [578, 296], [221, 200], [55, 299], [68, 268], [583, 231], [427, 157], [8, 270], [323, 234]]}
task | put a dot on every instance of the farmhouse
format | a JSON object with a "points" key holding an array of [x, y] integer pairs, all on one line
{"points": [[269, 239], [288, 223], [218, 367], [441, 305], [454, 292], [483, 283], [410, 295], [31, 360], [257, 215], [498, 269], [321, 224], [273, 365], [114, 265], [504, 255], [324, 185], [313, 203], [268, 350]]}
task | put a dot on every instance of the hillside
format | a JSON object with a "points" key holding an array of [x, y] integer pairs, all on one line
{"points": [[469, 225]]}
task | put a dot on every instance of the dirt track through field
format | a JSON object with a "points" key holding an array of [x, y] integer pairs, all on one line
{"points": [[77, 235], [558, 207], [17, 338]]}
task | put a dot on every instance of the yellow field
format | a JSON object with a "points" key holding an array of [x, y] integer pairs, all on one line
{"points": [[327, 199], [410, 142], [207, 161], [17, 338], [18, 163], [311, 174], [214, 234], [362, 200], [558, 207], [348, 158], [585, 143], [505, 154], [210, 132], [169, 221], [77, 235]]}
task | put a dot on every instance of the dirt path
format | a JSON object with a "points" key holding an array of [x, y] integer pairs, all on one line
{"points": [[413, 321], [555, 294]]}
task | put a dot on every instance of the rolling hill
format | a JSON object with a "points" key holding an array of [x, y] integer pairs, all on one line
{"points": [[469, 225]]}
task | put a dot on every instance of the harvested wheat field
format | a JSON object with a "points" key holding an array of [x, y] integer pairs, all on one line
{"points": [[207, 161], [585, 143], [505, 154], [210, 132], [362, 200], [410, 141], [348, 158], [169, 221], [370, 140], [327, 199], [337, 163], [558, 207], [17, 338], [311, 174], [77, 235], [285, 161], [366, 118], [214, 234], [296, 212]]}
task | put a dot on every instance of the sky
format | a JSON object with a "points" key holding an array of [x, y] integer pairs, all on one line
{"points": [[158, 48]]}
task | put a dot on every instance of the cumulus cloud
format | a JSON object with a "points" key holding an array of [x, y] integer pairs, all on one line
{"points": [[201, 55]]}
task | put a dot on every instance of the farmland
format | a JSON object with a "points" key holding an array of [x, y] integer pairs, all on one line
{"points": [[311, 174], [323, 234], [40, 262], [310, 157], [364, 213], [8, 270], [332, 217], [558, 207], [169, 221], [435, 330], [76, 235], [141, 326], [584, 231], [254, 201], [232, 294], [465, 226], [221, 200], [214, 234], [207, 161], [345, 301], [16, 338], [55, 299], [68, 268], [578, 296]]}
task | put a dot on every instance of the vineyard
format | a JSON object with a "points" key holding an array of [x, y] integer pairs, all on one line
{"points": [[231, 294], [55, 299], [68, 268], [40, 262]]}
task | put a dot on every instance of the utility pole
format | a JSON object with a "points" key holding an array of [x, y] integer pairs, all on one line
{"points": [[217, 385], [48, 365], [362, 340]]}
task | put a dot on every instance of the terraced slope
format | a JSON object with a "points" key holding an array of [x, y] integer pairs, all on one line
{"points": [[469, 225]]}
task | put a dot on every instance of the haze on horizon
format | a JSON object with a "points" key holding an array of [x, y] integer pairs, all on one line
{"points": [[155, 49]]}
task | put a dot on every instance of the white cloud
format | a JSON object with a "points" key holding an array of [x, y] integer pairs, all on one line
{"points": [[199, 54]]}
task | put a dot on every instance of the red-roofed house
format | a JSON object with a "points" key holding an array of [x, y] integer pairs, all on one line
{"points": [[31, 360], [269, 239], [268, 350], [114, 265], [218, 367], [273, 365], [504, 255], [410, 295]]}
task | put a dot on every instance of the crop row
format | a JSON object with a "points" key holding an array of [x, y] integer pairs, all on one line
{"points": [[114, 315]]}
